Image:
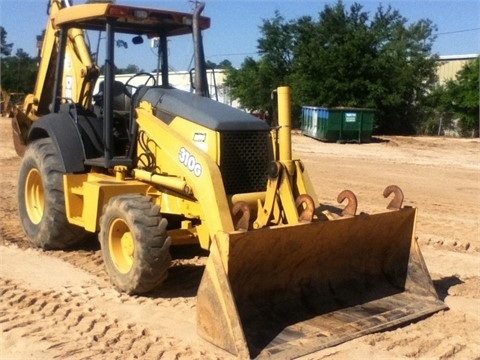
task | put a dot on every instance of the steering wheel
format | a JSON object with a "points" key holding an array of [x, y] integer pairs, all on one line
{"points": [[149, 77]]}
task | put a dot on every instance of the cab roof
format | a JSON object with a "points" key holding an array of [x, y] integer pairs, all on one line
{"points": [[127, 19]]}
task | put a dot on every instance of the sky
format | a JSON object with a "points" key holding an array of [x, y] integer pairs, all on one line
{"points": [[234, 30]]}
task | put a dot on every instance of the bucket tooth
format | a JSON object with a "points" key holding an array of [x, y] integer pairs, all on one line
{"points": [[397, 201], [352, 203]]}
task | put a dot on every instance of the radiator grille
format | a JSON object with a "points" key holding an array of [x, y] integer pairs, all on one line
{"points": [[244, 161]]}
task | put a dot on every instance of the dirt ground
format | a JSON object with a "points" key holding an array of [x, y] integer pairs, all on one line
{"points": [[59, 304]]}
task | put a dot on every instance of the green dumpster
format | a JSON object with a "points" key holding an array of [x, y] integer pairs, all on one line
{"points": [[338, 124]]}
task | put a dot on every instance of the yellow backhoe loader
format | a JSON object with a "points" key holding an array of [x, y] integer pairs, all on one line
{"points": [[148, 167]]}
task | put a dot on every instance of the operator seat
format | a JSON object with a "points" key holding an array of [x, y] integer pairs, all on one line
{"points": [[121, 112], [121, 98]]}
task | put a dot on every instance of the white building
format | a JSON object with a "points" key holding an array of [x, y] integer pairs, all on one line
{"points": [[450, 65], [181, 80]]}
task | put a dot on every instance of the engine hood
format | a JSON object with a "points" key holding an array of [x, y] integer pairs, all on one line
{"points": [[170, 102]]}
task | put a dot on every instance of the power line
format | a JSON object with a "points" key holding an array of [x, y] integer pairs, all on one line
{"points": [[458, 31], [234, 54]]}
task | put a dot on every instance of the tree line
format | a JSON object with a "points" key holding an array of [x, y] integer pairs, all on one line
{"points": [[342, 57], [345, 57], [19, 71]]}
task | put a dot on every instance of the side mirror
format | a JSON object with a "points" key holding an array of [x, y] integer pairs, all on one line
{"points": [[137, 40]]}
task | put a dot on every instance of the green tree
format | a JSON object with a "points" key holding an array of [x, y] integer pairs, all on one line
{"points": [[460, 98], [224, 64], [406, 70], [5, 49], [276, 46], [253, 83], [130, 69], [19, 72], [249, 85], [210, 64], [333, 58], [344, 58]]}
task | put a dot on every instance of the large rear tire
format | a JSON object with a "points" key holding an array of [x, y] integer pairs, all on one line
{"points": [[135, 246], [41, 200]]}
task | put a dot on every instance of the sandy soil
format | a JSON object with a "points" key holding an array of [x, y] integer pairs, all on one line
{"points": [[59, 304]]}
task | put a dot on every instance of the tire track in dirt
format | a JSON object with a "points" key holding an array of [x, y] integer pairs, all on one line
{"points": [[180, 287], [85, 318], [79, 327], [422, 340]]}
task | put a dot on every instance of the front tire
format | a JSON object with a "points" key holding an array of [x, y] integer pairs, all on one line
{"points": [[134, 242], [41, 200]]}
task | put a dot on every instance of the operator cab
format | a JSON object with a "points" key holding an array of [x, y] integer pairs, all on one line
{"points": [[107, 126]]}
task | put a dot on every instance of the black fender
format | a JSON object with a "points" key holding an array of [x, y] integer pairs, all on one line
{"points": [[63, 131]]}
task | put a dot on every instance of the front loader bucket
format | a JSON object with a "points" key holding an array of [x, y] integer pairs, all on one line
{"points": [[291, 290]]}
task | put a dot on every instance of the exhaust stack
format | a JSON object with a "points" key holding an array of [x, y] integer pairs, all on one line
{"points": [[201, 84]]}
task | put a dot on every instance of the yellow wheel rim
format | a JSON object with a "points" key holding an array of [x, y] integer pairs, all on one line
{"points": [[34, 196], [121, 246]]}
